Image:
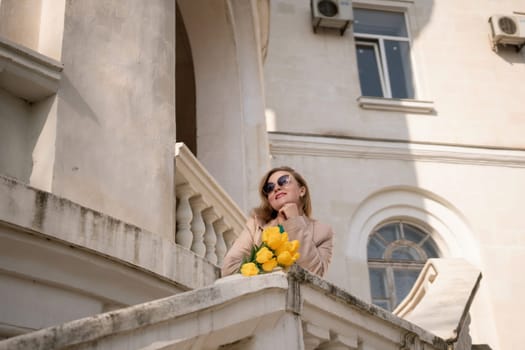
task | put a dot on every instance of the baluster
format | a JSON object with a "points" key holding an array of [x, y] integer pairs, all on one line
{"points": [[220, 247], [184, 216], [197, 226], [210, 238]]}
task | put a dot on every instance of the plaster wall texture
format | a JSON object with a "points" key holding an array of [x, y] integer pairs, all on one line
{"points": [[36, 24], [28, 135], [311, 88], [14, 152], [115, 111], [21, 21], [231, 130], [81, 262], [484, 198], [312, 80]]}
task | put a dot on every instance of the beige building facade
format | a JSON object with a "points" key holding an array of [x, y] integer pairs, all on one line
{"points": [[133, 135]]}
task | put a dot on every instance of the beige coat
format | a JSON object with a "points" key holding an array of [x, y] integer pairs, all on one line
{"points": [[316, 241]]}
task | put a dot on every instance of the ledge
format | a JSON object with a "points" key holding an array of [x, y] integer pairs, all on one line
{"points": [[340, 147], [27, 74], [396, 105], [266, 310], [441, 297], [60, 220]]}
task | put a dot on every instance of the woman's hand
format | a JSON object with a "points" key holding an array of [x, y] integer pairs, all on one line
{"points": [[289, 210]]}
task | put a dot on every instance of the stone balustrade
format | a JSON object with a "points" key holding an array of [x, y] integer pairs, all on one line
{"points": [[208, 220], [293, 310], [441, 297]]}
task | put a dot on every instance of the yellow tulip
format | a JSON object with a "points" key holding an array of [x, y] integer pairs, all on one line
{"points": [[249, 269], [269, 265], [285, 247], [291, 247], [294, 246], [263, 255], [269, 230], [274, 240], [285, 259], [284, 237]]}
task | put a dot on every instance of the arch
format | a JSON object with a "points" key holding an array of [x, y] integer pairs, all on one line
{"points": [[447, 226], [185, 117], [227, 60]]}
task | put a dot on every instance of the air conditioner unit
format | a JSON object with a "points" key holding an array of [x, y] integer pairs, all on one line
{"points": [[507, 30], [335, 14]]}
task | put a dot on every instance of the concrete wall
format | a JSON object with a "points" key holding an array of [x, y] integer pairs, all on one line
{"points": [[106, 140], [231, 132], [116, 123], [312, 80], [468, 196], [15, 160]]}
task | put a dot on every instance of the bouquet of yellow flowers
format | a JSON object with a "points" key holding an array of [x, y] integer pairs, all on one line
{"points": [[275, 250]]}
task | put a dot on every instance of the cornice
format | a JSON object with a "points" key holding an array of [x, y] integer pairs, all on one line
{"points": [[323, 146], [27, 74]]}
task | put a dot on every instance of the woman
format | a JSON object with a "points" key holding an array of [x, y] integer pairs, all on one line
{"points": [[285, 200]]}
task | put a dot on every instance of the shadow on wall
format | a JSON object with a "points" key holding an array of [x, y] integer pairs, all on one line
{"points": [[511, 54]]}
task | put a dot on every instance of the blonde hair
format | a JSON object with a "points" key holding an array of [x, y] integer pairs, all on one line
{"points": [[265, 211]]}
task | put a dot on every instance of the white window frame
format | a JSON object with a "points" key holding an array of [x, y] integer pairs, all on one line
{"points": [[418, 104], [389, 266], [383, 62], [382, 74]]}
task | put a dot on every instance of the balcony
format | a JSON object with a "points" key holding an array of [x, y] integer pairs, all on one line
{"points": [[294, 310], [77, 278], [80, 262]]}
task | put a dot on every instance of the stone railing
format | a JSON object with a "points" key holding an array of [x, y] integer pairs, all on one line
{"points": [[208, 221], [440, 299], [294, 310]]}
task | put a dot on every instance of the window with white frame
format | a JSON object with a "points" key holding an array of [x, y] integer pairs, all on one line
{"points": [[397, 252], [383, 53]]}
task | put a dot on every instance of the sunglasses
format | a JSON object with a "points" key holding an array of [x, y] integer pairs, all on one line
{"points": [[281, 181]]}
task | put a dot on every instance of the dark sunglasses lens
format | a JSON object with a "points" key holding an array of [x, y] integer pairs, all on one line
{"points": [[268, 187], [283, 180]]}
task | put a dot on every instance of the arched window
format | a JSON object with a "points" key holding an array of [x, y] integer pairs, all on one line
{"points": [[397, 252]]}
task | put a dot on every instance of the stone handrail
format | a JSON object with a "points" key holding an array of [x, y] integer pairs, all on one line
{"points": [[208, 220], [294, 310], [440, 299]]}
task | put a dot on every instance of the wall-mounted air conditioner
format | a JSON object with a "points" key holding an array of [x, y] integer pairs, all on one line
{"points": [[507, 30], [335, 14]]}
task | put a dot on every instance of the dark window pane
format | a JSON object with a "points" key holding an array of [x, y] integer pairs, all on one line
{"points": [[399, 68], [404, 280], [406, 253], [430, 249], [379, 22], [390, 233], [404, 248], [375, 249], [369, 75], [377, 283], [413, 233]]}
